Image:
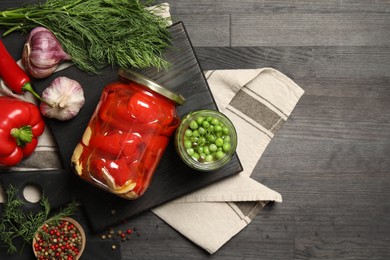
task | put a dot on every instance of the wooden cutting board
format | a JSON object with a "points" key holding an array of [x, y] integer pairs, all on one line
{"points": [[172, 177]]}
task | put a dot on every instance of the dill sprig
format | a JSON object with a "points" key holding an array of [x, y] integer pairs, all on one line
{"points": [[17, 224], [97, 33]]}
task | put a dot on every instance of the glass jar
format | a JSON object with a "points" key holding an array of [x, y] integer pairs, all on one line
{"points": [[206, 140], [127, 135]]}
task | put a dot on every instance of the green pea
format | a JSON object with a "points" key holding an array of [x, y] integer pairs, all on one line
{"points": [[219, 141], [213, 148], [226, 138], [188, 132], [209, 158], [196, 156], [206, 150], [193, 125], [226, 147], [200, 120], [214, 121], [217, 128], [200, 149], [190, 151], [195, 133], [219, 155], [187, 144], [209, 118], [205, 124], [225, 130]]}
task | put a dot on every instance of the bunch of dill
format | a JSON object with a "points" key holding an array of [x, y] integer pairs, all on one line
{"points": [[97, 33]]}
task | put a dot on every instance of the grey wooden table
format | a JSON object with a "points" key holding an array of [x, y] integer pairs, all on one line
{"points": [[331, 160]]}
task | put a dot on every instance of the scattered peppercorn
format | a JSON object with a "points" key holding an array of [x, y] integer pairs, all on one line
{"points": [[123, 235]]}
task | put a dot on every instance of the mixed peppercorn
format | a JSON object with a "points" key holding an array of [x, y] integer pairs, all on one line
{"points": [[62, 240]]}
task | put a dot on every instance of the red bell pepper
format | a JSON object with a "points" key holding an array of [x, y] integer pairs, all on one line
{"points": [[145, 109], [20, 125], [118, 169], [117, 144], [14, 76], [108, 145]]}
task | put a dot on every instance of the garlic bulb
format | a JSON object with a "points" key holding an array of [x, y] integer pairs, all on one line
{"points": [[64, 97], [42, 53]]}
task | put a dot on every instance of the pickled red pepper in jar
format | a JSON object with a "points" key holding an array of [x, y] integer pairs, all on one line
{"points": [[127, 135]]}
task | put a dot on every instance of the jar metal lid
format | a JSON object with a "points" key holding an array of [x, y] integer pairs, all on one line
{"points": [[140, 79]]}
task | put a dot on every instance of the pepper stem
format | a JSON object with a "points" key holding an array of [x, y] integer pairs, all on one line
{"points": [[22, 135], [29, 88]]}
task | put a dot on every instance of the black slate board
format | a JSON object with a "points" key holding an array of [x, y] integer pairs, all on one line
{"points": [[172, 177]]}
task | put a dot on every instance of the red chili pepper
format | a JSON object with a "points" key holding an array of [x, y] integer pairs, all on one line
{"points": [[20, 125], [14, 76]]}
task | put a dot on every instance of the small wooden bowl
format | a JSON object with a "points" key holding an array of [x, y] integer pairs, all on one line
{"points": [[78, 227]]}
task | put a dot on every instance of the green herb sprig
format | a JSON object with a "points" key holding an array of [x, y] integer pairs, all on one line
{"points": [[97, 33], [17, 224]]}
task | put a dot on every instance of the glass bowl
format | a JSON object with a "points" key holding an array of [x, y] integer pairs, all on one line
{"points": [[206, 140]]}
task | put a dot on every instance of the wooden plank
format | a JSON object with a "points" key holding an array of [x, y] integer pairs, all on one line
{"points": [[345, 29], [207, 30], [277, 6], [353, 62], [297, 62], [323, 63]]}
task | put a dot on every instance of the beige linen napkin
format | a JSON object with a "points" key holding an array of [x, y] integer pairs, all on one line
{"points": [[258, 102]]}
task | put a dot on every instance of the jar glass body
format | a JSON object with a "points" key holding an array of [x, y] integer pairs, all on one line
{"points": [[125, 138], [194, 143]]}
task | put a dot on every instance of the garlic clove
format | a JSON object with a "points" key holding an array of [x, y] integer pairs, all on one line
{"points": [[64, 97], [42, 53]]}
